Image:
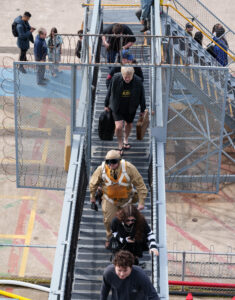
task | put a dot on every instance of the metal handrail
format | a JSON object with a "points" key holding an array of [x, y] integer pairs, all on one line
{"points": [[112, 5], [199, 29]]}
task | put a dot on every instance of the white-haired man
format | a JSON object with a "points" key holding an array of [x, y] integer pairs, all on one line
{"points": [[125, 94]]}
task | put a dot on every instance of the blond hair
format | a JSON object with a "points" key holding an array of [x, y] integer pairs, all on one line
{"points": [[127, 70]]}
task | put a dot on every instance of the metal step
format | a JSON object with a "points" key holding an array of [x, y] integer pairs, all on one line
{"points": [[198, 56], [92, 257]]}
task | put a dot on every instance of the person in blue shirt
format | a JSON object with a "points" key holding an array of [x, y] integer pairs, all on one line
{"points": [[220, 55], [24, 31], [40, 53]]}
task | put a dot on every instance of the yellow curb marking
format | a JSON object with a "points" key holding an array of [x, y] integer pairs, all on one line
{"points": [[28, 236], [17, 197], [12, 236]]}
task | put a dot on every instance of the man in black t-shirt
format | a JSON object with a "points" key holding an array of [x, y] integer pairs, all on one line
{"points": [[124, 96], [113, 44]]}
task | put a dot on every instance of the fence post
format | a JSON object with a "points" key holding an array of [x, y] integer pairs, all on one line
{"points": [[73, 98], [183, 268]]}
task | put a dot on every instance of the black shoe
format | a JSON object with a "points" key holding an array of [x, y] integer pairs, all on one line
{"points": [[45, 79], [22, 70], [41, 83], [145, 28]]}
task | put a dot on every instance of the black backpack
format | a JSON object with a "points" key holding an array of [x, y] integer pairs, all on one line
{"points": [[13, 29], [106, 126]]}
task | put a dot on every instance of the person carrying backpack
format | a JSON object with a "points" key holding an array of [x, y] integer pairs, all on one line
{"points": [[23, 31]]}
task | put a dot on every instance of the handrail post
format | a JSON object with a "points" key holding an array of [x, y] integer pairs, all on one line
{"points": [[183, 268]]}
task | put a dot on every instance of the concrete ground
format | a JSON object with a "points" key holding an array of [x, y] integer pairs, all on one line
{"points": [[31, 217]]}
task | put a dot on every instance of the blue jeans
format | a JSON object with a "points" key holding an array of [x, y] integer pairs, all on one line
{"points": [[111, 56], [40, 72]]}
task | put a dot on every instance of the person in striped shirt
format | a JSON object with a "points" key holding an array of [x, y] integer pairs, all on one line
{"points": [[132, 232]]}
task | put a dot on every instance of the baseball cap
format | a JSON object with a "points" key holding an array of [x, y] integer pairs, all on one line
{"points": [[113, 154], [127, 55]]}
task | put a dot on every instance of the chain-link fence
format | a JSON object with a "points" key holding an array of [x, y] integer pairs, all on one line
{"points": [[194, 128], [210, 267], [44, 112], [138, 52]]}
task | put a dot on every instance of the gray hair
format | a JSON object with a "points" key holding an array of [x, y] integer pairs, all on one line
{"points": [[127, 70], [41, 30]]}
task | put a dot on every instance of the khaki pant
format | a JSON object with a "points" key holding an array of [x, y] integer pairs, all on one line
{"points": [[109, 212]]}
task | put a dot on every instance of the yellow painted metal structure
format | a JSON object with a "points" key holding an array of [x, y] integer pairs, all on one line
{"points": [[67, 149]]}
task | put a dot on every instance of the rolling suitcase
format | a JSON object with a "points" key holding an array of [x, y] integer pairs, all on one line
{"points": [[142, 125]]}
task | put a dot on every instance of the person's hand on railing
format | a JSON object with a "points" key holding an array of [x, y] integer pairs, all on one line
{"points": [[106, 44], [154, 251]]}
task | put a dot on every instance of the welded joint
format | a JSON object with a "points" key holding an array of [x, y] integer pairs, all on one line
{"points": [[57, 292], [70, 200], [64, 243]]}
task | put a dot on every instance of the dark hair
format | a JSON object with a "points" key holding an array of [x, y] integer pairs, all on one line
{"points": [[53, 30], [117, 28], [220, 31], [215, 27], [188, 25], [132, 211], [27, 14], [124, 259], [80, 32], [198, 37]]}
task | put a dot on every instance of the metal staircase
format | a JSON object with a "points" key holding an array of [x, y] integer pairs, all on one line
{"points": [[203, 85], [188, 51], [187, 120], [92, 257]]}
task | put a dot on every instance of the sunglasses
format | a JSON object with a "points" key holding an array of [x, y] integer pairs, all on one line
{"points": [[111, 161], [130, 220]]}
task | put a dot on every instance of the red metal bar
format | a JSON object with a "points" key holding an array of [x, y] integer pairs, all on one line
{"points": [[203, 284]]}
